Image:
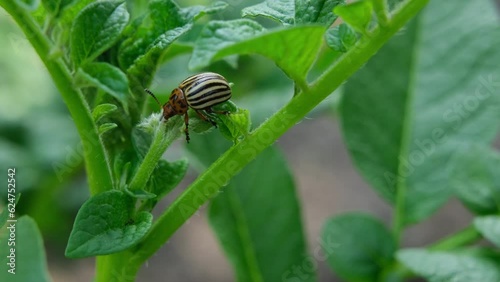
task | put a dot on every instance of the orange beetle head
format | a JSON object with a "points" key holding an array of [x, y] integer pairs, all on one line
{"points": [[176, 105]]}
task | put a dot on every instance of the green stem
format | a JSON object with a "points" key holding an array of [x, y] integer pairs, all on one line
{"points": [[381, 11], [164, 135], [208, 184], [96, 162], [114, 267], [111, 268], [462, 238]]}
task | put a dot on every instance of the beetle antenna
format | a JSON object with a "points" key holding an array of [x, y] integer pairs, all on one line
{"points": [[153, 95]]}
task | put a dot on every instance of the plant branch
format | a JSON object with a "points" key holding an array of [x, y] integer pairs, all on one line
{"points": [[164, 135], [111, 268], [96, 161], [114, 267], [462, 238], [381, 11], [208, 184]]}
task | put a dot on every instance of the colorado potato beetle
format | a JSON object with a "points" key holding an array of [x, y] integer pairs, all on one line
{"points": [[200, 92]]}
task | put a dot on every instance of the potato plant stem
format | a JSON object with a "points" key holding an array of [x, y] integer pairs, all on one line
{"points": [[462, 238], [381, 11], [238, 156], [96, 160], [164, 135], [125, 265]]}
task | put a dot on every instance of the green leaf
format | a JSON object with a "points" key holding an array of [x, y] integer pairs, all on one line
{"points": [[104, 218], [142, 71], [175, 50], [358, 246], [66, 18], [196, 12], [102, 110], [200, 126], [257, 221], [141, 140], [290, 12], [326, 57], [256, 217], [106, 127], [156, 29], [445, 267], [307, 11], [205, 149], [489, 226], [475, 179], [167, 175], [30, 261], [105, 77], [357, 14], [141, 53], [235, 126], [218, 35], [69, 14], [96, 28], [293, 49], [282, 11], [341, 38], [404, 116]]}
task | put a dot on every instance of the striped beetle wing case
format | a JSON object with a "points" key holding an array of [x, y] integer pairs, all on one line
{"points": [[200, 92], [205, 90]]}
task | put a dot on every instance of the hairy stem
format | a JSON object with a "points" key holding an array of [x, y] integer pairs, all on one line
{"points": [[114, 267], [111, 268], [96, 161], [162, 138]]}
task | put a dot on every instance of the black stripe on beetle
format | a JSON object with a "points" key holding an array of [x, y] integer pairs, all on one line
{"points": [[200, 92]]}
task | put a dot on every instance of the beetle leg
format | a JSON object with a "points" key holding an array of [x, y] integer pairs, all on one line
{"points": [[186, 130], [205, 118]]}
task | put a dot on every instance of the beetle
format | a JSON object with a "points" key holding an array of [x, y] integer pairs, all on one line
{"points": [[200, 92]]}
